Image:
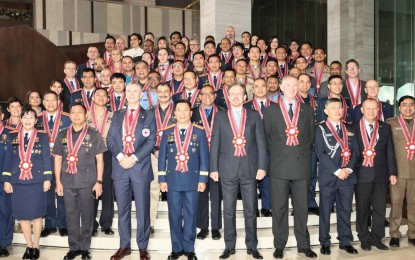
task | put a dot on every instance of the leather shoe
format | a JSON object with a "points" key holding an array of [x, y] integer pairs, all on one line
{"points": [[386, 223], [144, 255], [379, 245], [152, 230], [257, 213], [46, 232], [227, 253], [94, 232], [394, 242], [36, 253], [4, 252], [266, 213], [202, 234], [63, 232], [411, 241], [315, 211], [107, 231], [349, 249], [191, 256], [72, 254], [278, 253], [366, 246], [86, 255], [255, 253], [28, 253], [174, 255], [216, 234], [121, 252], [325, 250], [308, 252]]}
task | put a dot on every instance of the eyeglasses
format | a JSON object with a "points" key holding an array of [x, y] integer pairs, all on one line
{"points": [[153, 78], [372, 87], [189, 79], [352, 68]]}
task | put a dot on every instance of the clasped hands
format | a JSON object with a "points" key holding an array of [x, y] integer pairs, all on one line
{"points": [[127, 162], [344, 173], [260, 174]]}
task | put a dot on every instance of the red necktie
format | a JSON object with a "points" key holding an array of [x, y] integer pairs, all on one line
{"points": [[131, 117]]}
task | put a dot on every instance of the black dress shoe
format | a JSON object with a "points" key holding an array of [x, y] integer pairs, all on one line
{"points": [[28, 253], [175, 255], [152, 230], [4, 252], [308, 252], [257, 213], [325, 250], [349, 249], [379, 245], [191, 256], [315, 211], [36, 253], [266, 213], [394, 242], [411, 241], [63, 232], [386, 223], [227, 253], [46, 232], [366, 246], [86, 255], [292, 213], [216, 234], [278, 253], [255, 253], [202, 234], [94, 232], [72, 254], [107, 231]]}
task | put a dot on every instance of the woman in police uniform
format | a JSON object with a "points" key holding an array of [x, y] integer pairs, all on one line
{"points": [[27, 177]]}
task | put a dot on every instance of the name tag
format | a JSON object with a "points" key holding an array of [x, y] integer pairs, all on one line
{"points": [[398, 128]]}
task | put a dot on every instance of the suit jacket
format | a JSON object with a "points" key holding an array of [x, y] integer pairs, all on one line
{"points": [[289, 162], [363, 95], [384, 163], [387, 111], [222, 150], [197, 119], [406, 168], [330, 160], [324, 90], [144, 143], [349, 110], [198, 164], [79, 71], [76, 96], [220, 99]]}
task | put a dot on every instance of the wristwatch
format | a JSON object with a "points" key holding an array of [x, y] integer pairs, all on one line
{"points": [[99, 181]]}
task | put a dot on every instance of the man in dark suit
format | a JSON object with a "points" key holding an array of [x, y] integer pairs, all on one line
{"points": [[376, 168], [204, 116], [337, 149], [354, 87], [92, 54], [84, 95], [238, 157], [289, 132], [385, 110], [131, 138]]}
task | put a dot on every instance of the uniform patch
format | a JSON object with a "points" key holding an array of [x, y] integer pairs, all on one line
{"points": [[145, 132]]}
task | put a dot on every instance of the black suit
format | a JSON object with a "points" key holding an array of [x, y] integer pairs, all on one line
{"points": [[213, 189], [332, 188], [238, 172], [372, 184], [289, 164], [363, 95]]}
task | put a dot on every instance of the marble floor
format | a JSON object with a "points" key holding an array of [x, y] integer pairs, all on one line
{"points": [[404, 252]]}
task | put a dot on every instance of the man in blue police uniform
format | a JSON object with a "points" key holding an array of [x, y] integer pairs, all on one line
{"points": [[131, 139], [183, 172], [84, 95], [338, 152], [56, 121], [6, 227]]}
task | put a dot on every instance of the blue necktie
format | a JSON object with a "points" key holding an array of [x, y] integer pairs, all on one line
{"points": [[290, 111], [26, 139], [238, 119], [72, 85], [117, 102], [262, 106], [215, 80], [207, 112], [50, 123]]}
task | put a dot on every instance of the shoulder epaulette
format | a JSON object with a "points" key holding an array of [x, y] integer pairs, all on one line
{"points": [[65, 113], [8, 127], [41, 131], [320, 123], [391, 119], [247, 101], [198, 126], [13, 131], [77, 90], [64, 129], [168, 127]]}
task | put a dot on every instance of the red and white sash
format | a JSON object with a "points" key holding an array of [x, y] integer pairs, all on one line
{"points": [[255, 101], [25, 164], [194, 96], [128, 137], [218, 80], [52, 134], [344, 143], [281, 74], [292, 130], [369, 147], [355, 98], [208, 128], [312, 103], [72, 157], [410, 138], [68, 83], [100, 128], [112, 102], [251, 71], [239, 140], [182, 156], [162, 125], [318, 76], [179, 89]]}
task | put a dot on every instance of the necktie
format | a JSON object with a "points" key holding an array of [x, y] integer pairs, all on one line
{"points": [[370, 131], [261, 59], [26, 139], [262, 106], [224, 56], [290, 111], [131, 117], [189, 96], [282, 67], [238, 119], [215, 80], [50, 123], [87, 95], [117, 102], [207, 112], [72, 85], [339, 131], [183, 132]]}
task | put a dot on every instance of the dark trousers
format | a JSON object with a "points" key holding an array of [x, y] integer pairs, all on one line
{"points": [[250, 203], [79, 207], [313, 182], [107, 197], [280, 190], [264, 188], [124, 190], [213, 190], [371, 195], [183, 207], [6, 220], [343, 197], [55, 207]]}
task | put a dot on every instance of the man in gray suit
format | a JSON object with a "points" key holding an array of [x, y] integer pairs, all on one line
{"points": [[289, 133], [238, 156]]}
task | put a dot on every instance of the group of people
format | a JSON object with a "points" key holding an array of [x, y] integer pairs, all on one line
{"points": [[215, 124]]}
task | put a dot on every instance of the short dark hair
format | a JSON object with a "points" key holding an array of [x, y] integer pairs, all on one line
{"points": [[405, 97], [238, 44], [209, 42], [127, 57], [100, 89], [191, 71], [14, 100], [320, 48], [180, 43], [231, 70], [182, 101], [336, 62], [247, 33], [118, 75], [27, 111], [77, 103], [50, 92], [213, 56], [304, 74], [140, 38], [308, 43], [86, 70], [175, 32], [54, 81], [334, 77], [164, 84], [254, 46], [331, 100], [199, 53], [149, 33], [110, 37]]}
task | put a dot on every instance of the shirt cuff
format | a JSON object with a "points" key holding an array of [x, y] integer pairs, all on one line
{"points": [[120, 156], [350, 170], [134, 157], [337, 172]]}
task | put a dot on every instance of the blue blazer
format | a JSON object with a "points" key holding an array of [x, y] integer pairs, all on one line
{"points": [[329, 162], [76, 96], [64, 123], [40, 158], [142, 171], [387, 111], [4, 135], [198, 164]]}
